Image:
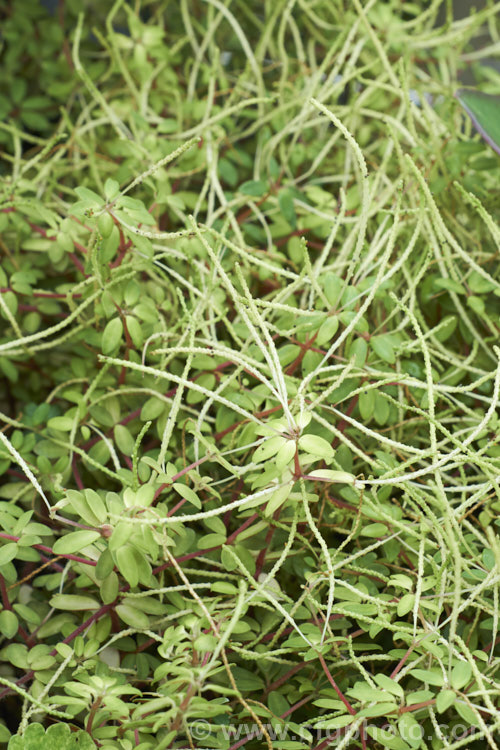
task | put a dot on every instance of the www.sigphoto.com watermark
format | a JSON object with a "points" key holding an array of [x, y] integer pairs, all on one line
{"points": [[200, 729]]}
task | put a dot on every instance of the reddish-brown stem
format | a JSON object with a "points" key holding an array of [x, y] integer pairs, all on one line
{"points": [[402, 661], [49, 550], [92, 713], [416, 706], [262, 554], [289, 711], [343, 424], [335, 686], [284, 678], [80, 629], [76, 474]]}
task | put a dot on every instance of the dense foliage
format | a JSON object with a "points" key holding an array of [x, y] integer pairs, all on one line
{"points": [[250, 305]]}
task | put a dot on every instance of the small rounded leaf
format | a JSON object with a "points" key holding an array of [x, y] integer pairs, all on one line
{"points": [[405, 604], [111, 189], [8, 623], [112, 336], [329, 475], [410, 730], [74, 541], [316, 446], [445, 699], [8, 552], [73, 602], [382, 345], [105, 224], [132, 616], [327, 331], [461, 675], [109, 588], [269, 448]]}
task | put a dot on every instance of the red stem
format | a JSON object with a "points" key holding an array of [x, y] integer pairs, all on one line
{"points": [[335, 686]]}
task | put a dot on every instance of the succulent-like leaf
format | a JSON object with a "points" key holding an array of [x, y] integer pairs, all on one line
{"points": [[484, 111]]}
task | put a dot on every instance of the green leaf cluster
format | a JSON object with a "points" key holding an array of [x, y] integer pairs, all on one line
{"points": [[249, 377]]}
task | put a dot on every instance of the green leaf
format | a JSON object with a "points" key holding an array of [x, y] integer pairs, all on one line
{"points": [[358, 350], [144, 495], [105, 564], [329, 703], [109, 588], [285, 201], [410, 730], [227, 170], [375, 530], [223, 587], [269, 448], [450, 285], [379, 709], [316, 446], [96, 504], [187, 493], [205, 642], [135, 330], [211, 540], [33, 738], [366, 403], [27, 613], [121, 534], [73, 602], [362, 691], [112, 336], [467, 713], [105, 224], [8, 623], [152, 409], [40, 658], [277, 499], [254, 188], [127, 564], [63, 424], [337, 723], [381, 410], [285, 455], [484, 111], [74, 541], [8, 552], [288, 353], [247, 680], [446, 328], [78, 503], [476, 304], [426, 675], [111, 189], [149, 604], [4, 734], [386, 739], [478, 284], [445, 699], [460, 675], [327, 330], [16, 654], [383, 347], [419, 696], [386, 683], [340, 477], [132, 616], [88, 195], [405, 604]]}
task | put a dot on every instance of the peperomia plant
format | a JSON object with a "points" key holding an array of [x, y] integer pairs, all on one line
{"points": [[250, 304], [484, 111]]}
